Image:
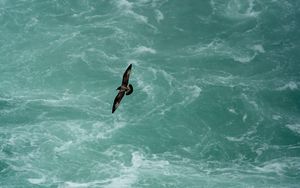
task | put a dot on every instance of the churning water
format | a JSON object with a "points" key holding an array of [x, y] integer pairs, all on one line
{"points": [[216, 99]]}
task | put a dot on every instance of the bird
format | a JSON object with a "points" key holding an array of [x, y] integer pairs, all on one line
{"points": [[124, 88]]}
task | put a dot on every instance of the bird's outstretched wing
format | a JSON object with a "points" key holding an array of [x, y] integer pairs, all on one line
{"points": [[126, 76], [117, 100]]}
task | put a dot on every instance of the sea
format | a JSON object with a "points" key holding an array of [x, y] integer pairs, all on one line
{"points": [[215, 102]]}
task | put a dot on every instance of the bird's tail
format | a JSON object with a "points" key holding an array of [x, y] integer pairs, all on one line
{"points": [[130, 90]]}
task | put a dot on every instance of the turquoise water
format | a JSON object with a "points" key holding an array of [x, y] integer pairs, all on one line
{"points": [[216, 99]]}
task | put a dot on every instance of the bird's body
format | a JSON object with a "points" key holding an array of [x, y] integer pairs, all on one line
{"points": [[124, 88], [127, 89]]}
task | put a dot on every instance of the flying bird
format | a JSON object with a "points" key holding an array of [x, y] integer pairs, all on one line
{"points": [[124, 88]]}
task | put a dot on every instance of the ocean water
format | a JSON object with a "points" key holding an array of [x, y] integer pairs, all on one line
{"points": [[216, 99]]}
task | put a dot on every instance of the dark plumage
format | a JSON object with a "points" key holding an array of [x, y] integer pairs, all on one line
{"points": [[124, 88]]}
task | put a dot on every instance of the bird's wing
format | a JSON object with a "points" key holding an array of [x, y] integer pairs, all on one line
{"points": [[117, 100], [126, 76]]}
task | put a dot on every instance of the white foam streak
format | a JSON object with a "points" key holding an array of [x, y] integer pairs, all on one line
{"points": [[219, 47], [70, 184], [236, 9], [129, 175], [158, 15], [244, 59], [275, 167], [144, 49], [37, 180], [123, 4], [233, 139], [244, 117], [108, 132], [294, 127], [64, 147], [232, 110], [194, 91], [127, 8], [259, 48], [289, 86]]}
